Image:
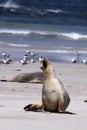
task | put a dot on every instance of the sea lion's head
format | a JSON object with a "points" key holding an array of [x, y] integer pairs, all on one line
{"points": [[46, 65]]}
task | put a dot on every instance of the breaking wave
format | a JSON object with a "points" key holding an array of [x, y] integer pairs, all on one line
{"points": [[74, 36], [53, 12], [67, 35]]}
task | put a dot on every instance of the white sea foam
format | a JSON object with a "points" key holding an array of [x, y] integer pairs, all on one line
{"points": [[13, 31], [18, 45], [67, 35], [73, 35], [68, 51], [13, 44], [58, 51], [9, 4], [24, 32], [55, 11]]}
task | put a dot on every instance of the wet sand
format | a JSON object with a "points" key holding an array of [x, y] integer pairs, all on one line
{"points": [[14, 96]]}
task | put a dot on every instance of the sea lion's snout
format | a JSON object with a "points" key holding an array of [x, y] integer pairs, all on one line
{"points": [[44, 64]]}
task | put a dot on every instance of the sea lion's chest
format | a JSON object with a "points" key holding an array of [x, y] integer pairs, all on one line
{"points": [[51, 92]]}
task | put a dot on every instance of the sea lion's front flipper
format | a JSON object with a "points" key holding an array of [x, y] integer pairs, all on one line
{"points": [[28, 107], [60, 106], [34, 107]]}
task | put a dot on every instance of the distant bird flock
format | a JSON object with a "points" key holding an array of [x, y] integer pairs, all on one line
{"points": [[29, 57], [5, 58]]}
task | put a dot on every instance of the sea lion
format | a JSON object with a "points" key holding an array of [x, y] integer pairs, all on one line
{"points": [[36, 77], [54, 96]]}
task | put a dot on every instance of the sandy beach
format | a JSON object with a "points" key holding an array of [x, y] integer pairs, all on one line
{"points": [[14, 96]]}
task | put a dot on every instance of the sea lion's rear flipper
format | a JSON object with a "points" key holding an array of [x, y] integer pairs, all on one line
{"points": [[67, 112]]}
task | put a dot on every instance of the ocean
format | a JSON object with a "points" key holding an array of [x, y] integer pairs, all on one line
{"points": [[56, 29]]}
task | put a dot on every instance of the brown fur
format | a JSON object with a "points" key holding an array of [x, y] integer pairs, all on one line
{"points": [[54, 96]]}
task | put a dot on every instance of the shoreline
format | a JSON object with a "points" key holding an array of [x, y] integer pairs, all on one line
{"points": [[57, 55]]}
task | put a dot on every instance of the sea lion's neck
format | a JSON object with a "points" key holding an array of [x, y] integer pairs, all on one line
{"points": [[49, 75]]}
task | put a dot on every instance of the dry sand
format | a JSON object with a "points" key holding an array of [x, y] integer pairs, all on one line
{"points": [[14, 96]]}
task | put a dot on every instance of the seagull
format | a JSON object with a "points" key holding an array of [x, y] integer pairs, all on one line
{"points": [[40, 59], [84, 61], [6, 61], [5, 55], [32, 61], [31, 53], [23, 62], [74, 60], [25, 57], [77, 58]]}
